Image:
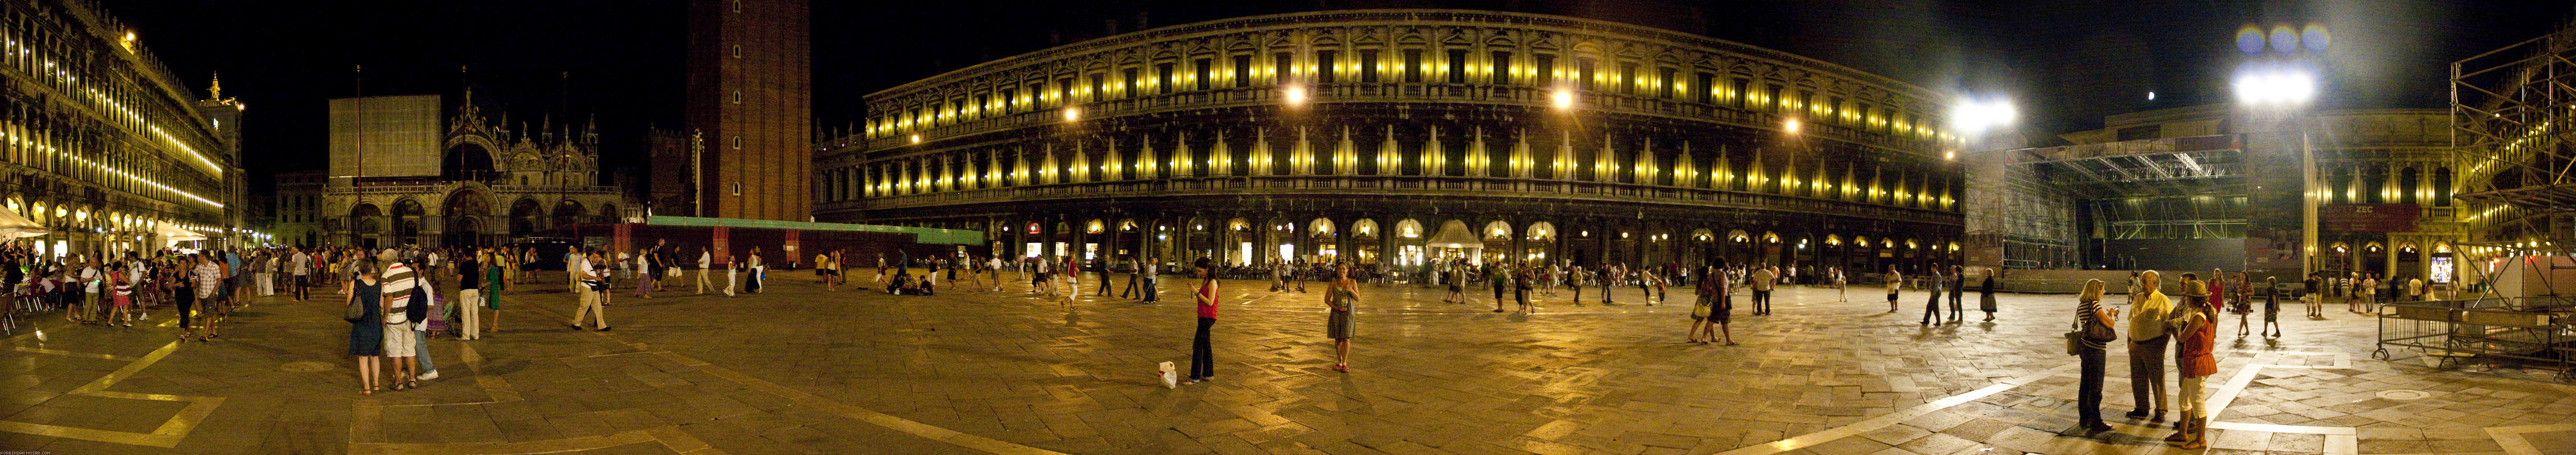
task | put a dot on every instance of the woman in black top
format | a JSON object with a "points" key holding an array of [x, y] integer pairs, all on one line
{"points": [[1986, 297], [2088, 392]]}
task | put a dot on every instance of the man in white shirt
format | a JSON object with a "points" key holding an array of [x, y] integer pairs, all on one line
{"points": [[706, 259], [300, 267], [1763, 278], [89, 277], [399, 279], [574, 266], [994, 265]]}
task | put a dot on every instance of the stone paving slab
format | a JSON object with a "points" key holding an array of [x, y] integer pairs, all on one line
{"points": [[803, 370]]}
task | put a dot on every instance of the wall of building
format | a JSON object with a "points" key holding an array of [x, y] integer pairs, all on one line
{"points": [[95, 135], [1490, 119]]}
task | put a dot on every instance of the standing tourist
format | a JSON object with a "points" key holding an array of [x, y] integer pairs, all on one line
{"points": [[416, 294], [2147, 341], [1135, 276], [1715, 307], [121, 284], [733, 267], [1501, 279], [1344, 295], [2368, 290], [1762, 280], [1895, 280], [1149, 269], [264, 272], [495, 280], [706, 259], [2198, 338], [759, 272], [1456, 275], [209, 276], [469, 295], [366, 333], [1521, 287], [1202, 355], [1986, 296], [994, 266], [594, 284], [402, 312], [2089, 317], [1932, 308], [1609, 280], [2271, 307], [300, 269], [1842, 284], [824, 266], [1958, 286]]}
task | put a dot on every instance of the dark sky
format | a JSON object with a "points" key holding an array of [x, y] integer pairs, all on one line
{"points": [[2066, 63]]}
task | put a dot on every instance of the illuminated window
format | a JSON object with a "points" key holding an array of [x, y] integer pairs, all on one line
{"points": [[1413, 65], [1128, 78], [1707, 83], [1006, 99], [1627, 78], [1458, 66], [1201, 69], [1502, 67], [1163, 78], [1546, 64], [1771, 97], [1368, 66], [1242, 71], [1664, 82], [1583, 72], [1098, 82], [1324, 70], [1282, 66]]}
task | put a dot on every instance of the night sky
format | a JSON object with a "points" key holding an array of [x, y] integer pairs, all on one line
{"points": [[2066, 63]]}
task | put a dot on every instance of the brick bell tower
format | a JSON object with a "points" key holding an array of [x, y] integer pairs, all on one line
{"points": [[750, 100]]}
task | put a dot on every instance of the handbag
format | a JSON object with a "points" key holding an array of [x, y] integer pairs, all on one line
{"points": [[357, 311], [1701, 309]]}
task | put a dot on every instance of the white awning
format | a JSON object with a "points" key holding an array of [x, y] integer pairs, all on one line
{"points": [[170, 233], [14, 226], [1454, 234]]}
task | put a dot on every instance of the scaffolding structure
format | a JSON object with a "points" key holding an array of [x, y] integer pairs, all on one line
{"points": [[2024, 220], [2510, 114]]}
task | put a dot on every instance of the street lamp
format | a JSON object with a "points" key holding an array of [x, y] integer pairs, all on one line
{"points": [[2265, 86], [1072, 114], [1295, 95], [1971, 117], [1563, 99]]}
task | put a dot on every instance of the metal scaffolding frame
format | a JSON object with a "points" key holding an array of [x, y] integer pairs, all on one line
{"points": [[2510, 114]]}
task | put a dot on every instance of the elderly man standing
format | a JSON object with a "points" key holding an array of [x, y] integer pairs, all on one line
{"points": [[2147, 341], [400, 280]]}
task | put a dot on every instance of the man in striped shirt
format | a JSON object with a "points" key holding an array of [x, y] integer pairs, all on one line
{"points": [[399, 279]]}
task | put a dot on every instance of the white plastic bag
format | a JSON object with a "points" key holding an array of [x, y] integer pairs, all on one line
{"points": [[1171, 379]]}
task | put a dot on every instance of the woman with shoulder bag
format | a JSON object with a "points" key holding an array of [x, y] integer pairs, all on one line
{"points": [[367, 329], [2092, 336]]}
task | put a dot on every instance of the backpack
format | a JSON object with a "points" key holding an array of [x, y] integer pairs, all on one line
{"points": [[418, 308]]}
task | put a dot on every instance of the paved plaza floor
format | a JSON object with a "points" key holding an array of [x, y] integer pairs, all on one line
{"points": [[803, 370]]}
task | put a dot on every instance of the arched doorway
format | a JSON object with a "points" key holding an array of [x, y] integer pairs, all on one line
{"points": [[407, 219], [567, 213], [366, 225], [465, 211], [1365, 240], [1542, 239], [1408, 243], [524, 217], [1328, 245], [1498, 243]]}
